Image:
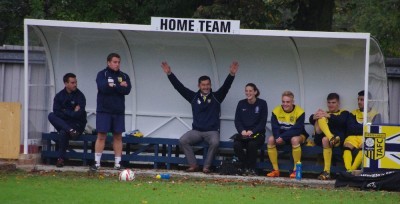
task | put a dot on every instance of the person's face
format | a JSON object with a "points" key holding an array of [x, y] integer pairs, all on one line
{"points": [[205, 86], [333, 105], [114, 63], [287, 103], [250, 92], [71, 85], [361, 102]]}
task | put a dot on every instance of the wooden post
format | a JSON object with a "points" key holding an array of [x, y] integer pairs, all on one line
{"points": [[10, 130]]}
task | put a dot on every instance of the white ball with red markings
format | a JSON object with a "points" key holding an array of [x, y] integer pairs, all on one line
{"points": [[126, 175]]}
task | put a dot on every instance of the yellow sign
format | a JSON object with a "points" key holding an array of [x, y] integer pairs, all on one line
{"points": [[375, 145], [381, 148]]}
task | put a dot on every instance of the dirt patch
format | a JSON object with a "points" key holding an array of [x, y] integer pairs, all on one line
{"points": [[6, 167]]}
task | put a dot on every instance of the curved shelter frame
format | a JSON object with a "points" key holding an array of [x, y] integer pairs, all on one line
{"points": [[310, 64]]}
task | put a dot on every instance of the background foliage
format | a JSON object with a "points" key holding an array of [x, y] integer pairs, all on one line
{"points": [[381, 18]]}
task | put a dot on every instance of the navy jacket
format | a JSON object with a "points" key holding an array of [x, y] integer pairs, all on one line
{"points": [[64, 105], [112, 99], [251, 116], [205, 113]]}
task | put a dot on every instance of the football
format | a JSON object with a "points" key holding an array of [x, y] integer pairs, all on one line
{"points": [[126, 175]]}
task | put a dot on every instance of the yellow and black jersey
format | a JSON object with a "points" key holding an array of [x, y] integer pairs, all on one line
{"points": [[337, 122], [372, 115], [287, 124], [355, 122]]}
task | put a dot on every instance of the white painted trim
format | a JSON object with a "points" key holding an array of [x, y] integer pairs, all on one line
{"points": [[299, 71], [366, 79], [49, 59], [132, 77], [26, 88], [136, 27], [211, 53]]}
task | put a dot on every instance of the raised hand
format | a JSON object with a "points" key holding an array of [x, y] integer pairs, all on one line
{"points": [[166, 67], [233, 68]]}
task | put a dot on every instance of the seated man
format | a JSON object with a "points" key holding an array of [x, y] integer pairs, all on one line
{"points": [[206, 110], [287, 123], [69, 115], [354, 140], [330, 130]]}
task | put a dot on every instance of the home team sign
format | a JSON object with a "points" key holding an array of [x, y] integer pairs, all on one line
{"points": [[195, 25]]}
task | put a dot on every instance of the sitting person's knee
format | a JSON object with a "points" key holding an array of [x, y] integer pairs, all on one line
{"points": [[348, 146], [51, 116], [183, 141], [295, 140], [271, 140], [214, 143]]}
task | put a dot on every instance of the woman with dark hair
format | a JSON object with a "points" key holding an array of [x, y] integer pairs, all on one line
{"points": [[250, 120]]}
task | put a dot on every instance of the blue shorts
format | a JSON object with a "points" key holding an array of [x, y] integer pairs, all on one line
{"points": [[106, 122], [288, 140]]}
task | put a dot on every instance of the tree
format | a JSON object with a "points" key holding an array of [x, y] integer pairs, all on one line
{"points": [[11, 15], [380, 18], [310, 15]]}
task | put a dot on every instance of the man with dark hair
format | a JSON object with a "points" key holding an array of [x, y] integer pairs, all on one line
{"points": [[354, 140], [330, 130], [206, 109], [69, 115], [112, 86]]}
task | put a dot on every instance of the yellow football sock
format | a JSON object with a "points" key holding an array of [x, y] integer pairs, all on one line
{"points": [[347, 159], [327, 152], [273, 156], [357, 161], [296, 152], [323, 125]]}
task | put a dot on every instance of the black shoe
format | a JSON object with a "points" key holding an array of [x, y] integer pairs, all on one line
{"points": [[252, 172], [94, 167], [60, 162], [73, 133], [334, 141], [324, 176]]}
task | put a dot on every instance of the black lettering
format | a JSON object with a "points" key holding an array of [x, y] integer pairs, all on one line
{"points": [[182, 25], [164, 24], [208, 26], [225, 28], [215, 27], [379, 152], [201, 25], [172, 24], [191, 25]]}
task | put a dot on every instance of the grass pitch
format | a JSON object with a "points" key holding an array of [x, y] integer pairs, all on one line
{"points": [[72, 187]]}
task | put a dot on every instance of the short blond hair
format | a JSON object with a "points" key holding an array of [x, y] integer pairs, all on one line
{"points": [[288, 94]]}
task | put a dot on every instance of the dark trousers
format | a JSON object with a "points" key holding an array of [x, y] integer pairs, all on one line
{"points": [[63, 128], [248, 158]]}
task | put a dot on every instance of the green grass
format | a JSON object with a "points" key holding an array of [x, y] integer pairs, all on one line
{"points": [[69, 187]]}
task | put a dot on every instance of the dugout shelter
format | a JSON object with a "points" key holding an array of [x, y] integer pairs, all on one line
{"points": [[310, 64]]}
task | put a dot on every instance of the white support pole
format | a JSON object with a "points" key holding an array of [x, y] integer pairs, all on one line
{"points": [[366, 79], [26, 88]]}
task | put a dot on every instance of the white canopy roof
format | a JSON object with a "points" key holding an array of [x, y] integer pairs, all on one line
{"points": [[310, 64]]}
